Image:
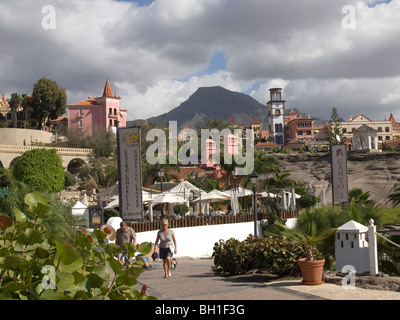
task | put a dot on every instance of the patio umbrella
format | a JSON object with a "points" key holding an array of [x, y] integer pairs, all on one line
{"points": [[214, 196], [323, 197], [265, 194], [240, 192], [283, 203], [234, 203], [293, 200], [167, 198]]}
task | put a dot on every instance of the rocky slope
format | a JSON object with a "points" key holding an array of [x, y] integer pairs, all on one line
{"points": [[376, 173]]}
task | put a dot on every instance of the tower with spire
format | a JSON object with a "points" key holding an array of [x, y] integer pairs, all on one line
{"points": [[97, 113], [276, 116]]}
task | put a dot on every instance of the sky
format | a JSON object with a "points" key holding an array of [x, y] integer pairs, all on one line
{"points": [[156, 53]]}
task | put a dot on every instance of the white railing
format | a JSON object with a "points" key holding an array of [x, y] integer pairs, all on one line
{"points": [[18, 148]]}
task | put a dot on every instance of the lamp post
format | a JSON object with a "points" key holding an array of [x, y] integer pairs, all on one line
{"points": [[234, 175], [161, 175], [254, 178]]}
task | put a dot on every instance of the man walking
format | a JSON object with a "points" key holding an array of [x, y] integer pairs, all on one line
{"points": [[124, 234]]}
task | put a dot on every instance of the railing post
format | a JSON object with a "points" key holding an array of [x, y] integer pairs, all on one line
{"points": [[373, 249]]}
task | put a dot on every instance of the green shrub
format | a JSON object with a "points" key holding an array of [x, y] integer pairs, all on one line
{"points": [[41, 169], [108, 213], [181, 209], [272, 254], [35, 266]]}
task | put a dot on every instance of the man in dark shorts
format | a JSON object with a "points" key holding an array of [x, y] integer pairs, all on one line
{"points": [[124, 234]]}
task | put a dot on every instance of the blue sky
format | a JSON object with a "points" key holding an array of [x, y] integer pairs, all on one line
{"points": [[158, 53]]}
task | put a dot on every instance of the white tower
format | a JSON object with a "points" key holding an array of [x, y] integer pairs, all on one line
{"points": [[276, 116]]}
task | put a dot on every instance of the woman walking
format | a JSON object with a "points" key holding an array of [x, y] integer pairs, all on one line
{"points": [[166, 237]]}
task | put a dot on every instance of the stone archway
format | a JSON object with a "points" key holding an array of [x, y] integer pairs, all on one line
{"points": [[74, 165], [13, 162]]}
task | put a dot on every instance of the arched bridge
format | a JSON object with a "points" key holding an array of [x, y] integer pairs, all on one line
{"points": [[71, 157]]}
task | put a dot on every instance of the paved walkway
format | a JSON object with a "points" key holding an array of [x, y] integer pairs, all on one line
{"points": [[193, 279]]}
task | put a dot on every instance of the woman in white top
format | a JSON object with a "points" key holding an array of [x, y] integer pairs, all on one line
{"points": [[166, 237]]}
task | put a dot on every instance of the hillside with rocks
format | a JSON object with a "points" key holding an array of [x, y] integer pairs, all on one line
{"points": [[376, 173]]}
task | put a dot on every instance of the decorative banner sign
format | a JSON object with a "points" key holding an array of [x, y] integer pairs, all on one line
{"points": [[339, 174], [130, 173]]}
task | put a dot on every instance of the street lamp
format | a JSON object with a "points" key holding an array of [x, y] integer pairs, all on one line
{"points": [[161, 175], [234, 175], [253, 179]]}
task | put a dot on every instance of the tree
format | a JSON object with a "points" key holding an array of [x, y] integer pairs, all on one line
{"points": [[395, 196], [48, 100], [41, 169], [335, 133], [15, 103]]}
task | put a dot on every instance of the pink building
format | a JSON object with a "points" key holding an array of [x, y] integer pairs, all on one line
{"points": [[300, 128], [101, 113], [210, 148]]}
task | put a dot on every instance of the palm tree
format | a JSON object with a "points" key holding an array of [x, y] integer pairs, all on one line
{"points": [[395, 196], [15, 103], [360, 197]]}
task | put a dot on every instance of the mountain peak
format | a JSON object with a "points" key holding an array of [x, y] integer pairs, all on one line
{"points": [[216, 103]]}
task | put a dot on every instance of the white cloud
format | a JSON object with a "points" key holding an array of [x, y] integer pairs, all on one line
{"points": [[298, 45]]}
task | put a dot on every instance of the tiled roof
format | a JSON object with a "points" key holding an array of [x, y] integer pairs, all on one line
{"points": [[255, 120], [4, 100], [107, 90], [87, 102]]}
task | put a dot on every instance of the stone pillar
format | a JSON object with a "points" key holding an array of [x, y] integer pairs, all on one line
{"points": [[373, 249]]}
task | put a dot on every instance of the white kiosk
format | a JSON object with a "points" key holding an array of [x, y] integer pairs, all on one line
{"points": [[351, 247]]}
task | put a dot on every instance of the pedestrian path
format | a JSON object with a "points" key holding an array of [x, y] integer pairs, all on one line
{"points": [[193, 279]]}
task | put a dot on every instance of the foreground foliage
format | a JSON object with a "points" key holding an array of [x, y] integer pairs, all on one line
{"points": [[272, 254], [33, 265]]}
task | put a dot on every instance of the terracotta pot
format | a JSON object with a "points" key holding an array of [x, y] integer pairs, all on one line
{"points": [[311, 271]]}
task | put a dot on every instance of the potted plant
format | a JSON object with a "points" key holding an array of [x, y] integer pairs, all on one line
{"points": [[311, 266], [312, 227]]}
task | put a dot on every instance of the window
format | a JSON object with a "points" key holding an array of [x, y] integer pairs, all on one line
{"points": [[300, 133], [344, 130], [387, 138], [80, 124], [387, 129], [278, 112], [80, 112], [380, 129], [308, 133]]}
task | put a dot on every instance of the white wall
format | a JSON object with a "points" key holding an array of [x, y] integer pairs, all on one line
{"points": [[198, 242]]}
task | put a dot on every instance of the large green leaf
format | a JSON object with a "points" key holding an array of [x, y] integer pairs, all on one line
{"points": [[102, 271], [68, 257], [95, 281], [115, 265], [12, 262], [113, 249], [145, 248], [64, 280], [31, 237], [130, 248], [38, 205]]}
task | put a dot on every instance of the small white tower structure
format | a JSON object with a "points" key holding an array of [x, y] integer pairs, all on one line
{"points": [[276, 116], [351, 247]]}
